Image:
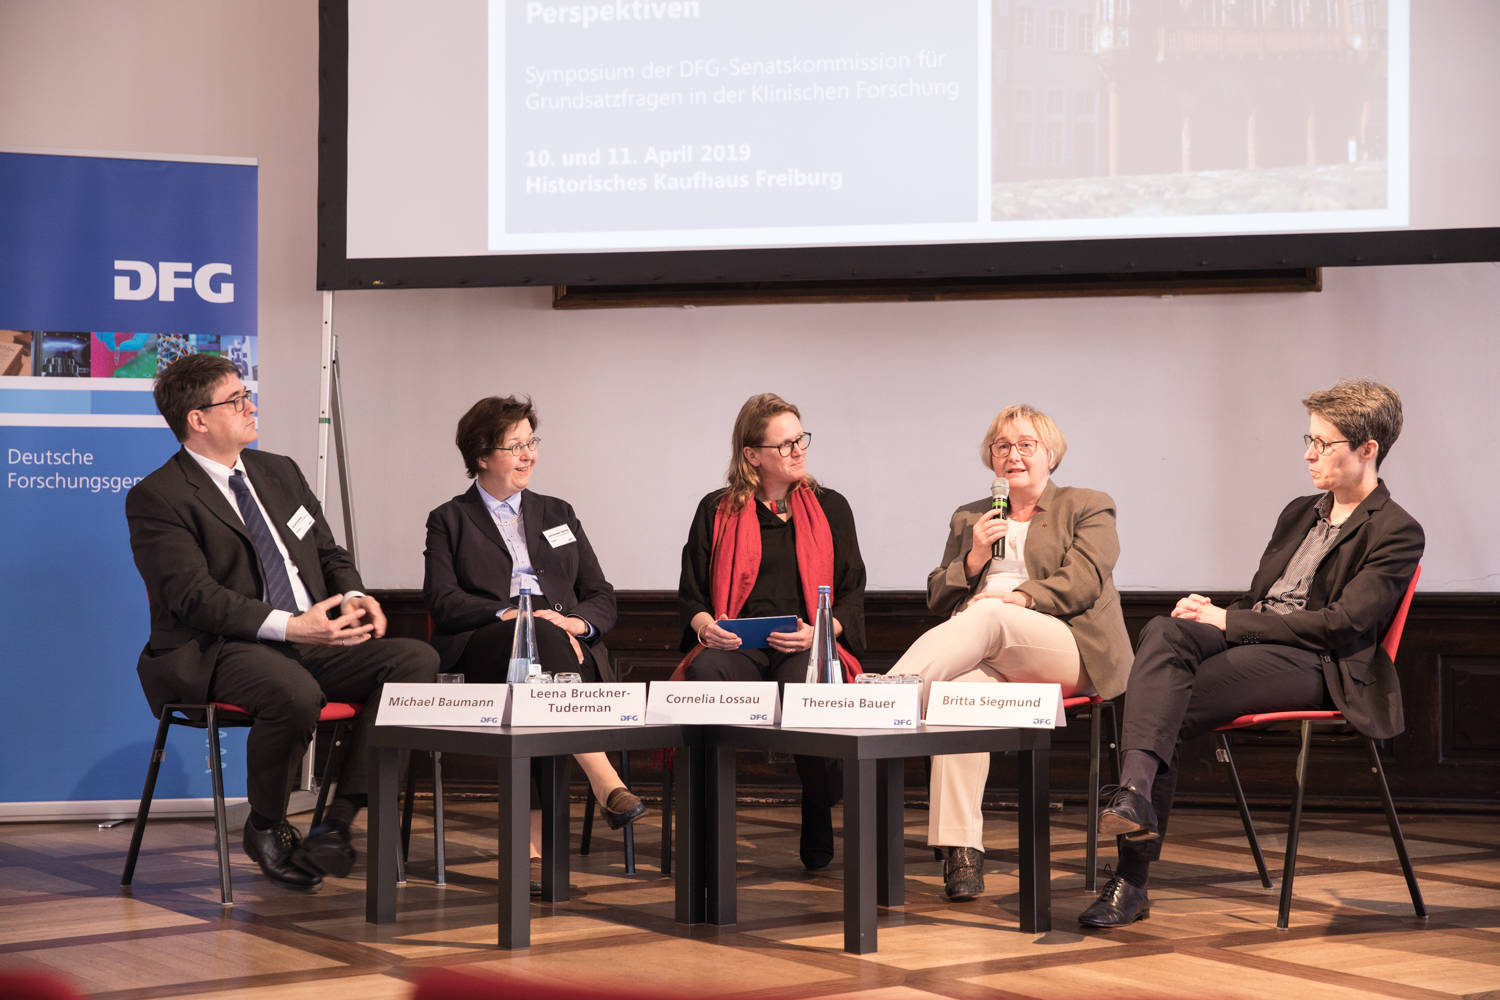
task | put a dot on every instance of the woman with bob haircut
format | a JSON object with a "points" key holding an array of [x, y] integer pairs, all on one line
{"points": [[760, 547], [1045, 611], [484, 545]]}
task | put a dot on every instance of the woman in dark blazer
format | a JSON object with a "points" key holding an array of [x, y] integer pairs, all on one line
{"points": [[1045, 610], [484, 545]]}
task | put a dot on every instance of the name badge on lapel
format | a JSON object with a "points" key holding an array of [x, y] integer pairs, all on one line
{"points": [[559, 536], [300, 523]]}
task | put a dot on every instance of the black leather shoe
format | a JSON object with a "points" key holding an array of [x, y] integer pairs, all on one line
{"points": [[273, 849], [1118, 905], [1129, 815], [326, 851], [816, 843], [536, 876], [963, 873], [622, 807]]}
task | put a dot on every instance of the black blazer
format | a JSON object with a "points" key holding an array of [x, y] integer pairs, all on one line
{"points": [[202, 575], [468, 573], [1352, 598]]}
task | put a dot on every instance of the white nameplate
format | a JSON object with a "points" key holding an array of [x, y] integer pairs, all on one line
{"points": [[722, 703], [851, 706], [577, 705], [442, 704], [300, 522], [1003, 706], [559, 536]]}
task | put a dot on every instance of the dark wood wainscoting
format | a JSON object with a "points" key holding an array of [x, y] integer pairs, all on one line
{"points": [[1448, 757]]}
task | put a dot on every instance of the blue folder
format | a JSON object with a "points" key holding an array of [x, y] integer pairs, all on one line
{"points": [[753, 631]]}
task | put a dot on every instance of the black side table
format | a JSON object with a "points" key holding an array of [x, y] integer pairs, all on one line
{"points": [[874, 847], [514, 748]]}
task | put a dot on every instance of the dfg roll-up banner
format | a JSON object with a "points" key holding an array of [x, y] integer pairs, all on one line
{"points": [[111, 265]]}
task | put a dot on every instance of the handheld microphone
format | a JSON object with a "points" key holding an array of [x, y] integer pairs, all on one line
{"points": [[1000, 500]]}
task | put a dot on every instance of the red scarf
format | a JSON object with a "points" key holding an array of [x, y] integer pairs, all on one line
{"points": [[735, 562]]}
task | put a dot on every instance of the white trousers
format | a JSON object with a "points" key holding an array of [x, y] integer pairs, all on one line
{"points": [[991, 641]]}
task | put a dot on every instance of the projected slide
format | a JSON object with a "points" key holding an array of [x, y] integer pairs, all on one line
{"points": [[637, 116]]}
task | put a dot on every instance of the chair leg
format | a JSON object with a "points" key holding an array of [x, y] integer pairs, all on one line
{"points": [[332, 766], [406, 806], [629, 827], [1239, 799], [221, 821], [158, 751], [437, 817], [1091, 833], [1395, 825], [1114, 737], [1293, 830], [668, 772], [587, 839]]}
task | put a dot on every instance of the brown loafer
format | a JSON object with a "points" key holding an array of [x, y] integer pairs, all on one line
{"points": [[622, 807]]}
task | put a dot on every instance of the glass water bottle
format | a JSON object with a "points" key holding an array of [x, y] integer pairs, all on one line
{"points": [[524, 658], [823, 667]]}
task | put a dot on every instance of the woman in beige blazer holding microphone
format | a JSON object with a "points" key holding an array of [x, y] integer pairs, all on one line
{"points": [[1046, 611]]}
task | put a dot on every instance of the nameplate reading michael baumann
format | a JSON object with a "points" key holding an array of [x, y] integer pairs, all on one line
{"points": [[442, 704], [722, 703], [577, 705]]}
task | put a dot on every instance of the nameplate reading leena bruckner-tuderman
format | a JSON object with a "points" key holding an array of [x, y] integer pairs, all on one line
{"points": [[577, 705], [851, 706], [442, 704], [721, 703], [1003, 706]]}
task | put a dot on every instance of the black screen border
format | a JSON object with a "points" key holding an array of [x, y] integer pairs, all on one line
{"points": [[336, 271]]}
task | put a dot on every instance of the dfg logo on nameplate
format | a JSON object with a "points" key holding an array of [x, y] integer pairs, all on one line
{"points": [[723, 703], [577, 705], [851, 706], [443, 704], [1003, 706]]}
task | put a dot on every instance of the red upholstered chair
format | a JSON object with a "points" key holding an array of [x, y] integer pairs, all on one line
{"points": [[1095, 706], [1278, 720], [213, 717]]}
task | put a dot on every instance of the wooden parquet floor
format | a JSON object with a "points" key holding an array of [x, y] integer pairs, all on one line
{"points": [[1211, 933]]}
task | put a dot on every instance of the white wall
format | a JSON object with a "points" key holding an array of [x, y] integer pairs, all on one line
{"points": [[1186, 410]]}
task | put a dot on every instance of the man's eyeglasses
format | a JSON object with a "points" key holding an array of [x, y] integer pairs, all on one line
{"points": [[784, 449], [1323, 447], [516, 449], [1001, 449], [239, 402]]}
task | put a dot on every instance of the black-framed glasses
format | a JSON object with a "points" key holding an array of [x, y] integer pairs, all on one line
{"points": [[516, 449], [1323, 447], [784, 449], [238, 401], [1001, 449]]}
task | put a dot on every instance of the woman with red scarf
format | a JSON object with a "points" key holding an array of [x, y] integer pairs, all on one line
{"points": [[761, 548]]}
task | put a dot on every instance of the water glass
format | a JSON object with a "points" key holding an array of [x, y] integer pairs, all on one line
{"points": [[539, 678], [567, 678], [450, 678]]}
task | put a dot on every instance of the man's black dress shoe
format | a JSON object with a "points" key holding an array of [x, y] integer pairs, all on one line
{"points": [[622, 807], [326, 851], [1118, 905], [1129, 815], [816, 843], [273, 849], [963, 873]]}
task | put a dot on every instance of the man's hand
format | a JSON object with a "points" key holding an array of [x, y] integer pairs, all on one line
{"points": [[1197, 608], [572, 626], [314, 628], [372, 610]]}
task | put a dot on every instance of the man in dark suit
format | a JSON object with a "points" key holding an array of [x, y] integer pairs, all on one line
{"points": [[1305, 637], [254, 604]]}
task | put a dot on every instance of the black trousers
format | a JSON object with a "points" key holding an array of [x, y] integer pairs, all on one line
{"points": [[284, 686], [486, 656], [1187, 681], [822, 777]]}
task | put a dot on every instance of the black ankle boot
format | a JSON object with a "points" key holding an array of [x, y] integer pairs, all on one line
{"points": [[816, 845]]}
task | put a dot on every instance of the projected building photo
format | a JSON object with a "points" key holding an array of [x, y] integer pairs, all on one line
{"points": [[1188, 107]]}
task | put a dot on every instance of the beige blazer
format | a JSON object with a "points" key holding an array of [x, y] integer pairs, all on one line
{"points": [[1071, 548]]}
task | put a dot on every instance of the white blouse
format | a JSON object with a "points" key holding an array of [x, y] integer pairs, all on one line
{"points": [[1005, 573]]}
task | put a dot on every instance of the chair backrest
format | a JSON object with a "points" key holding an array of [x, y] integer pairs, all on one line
{"points": [[1392, 639]]}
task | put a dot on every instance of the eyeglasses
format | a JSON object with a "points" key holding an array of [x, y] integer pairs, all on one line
{"points": [[239, 402], [784, 449], [516, 449], [1323, 447], [1001, 449]]}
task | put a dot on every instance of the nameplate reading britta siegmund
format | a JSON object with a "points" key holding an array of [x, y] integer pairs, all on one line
{"points": [[1003, 706], [442, 704], [713, 703], [577, 705]]}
